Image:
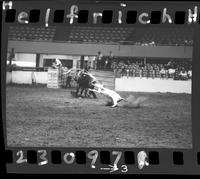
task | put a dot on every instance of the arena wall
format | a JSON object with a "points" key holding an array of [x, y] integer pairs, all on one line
{"points": [[121, 84], [8, 77], [92, 49], [26, 77], [152, 85]]}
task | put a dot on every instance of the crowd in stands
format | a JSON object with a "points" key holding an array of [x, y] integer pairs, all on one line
{"points": [[122, 66], [172, 69]]}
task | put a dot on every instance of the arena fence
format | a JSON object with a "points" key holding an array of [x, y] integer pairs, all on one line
{"points": [[153, 85], [26, 77], [134, 84]]}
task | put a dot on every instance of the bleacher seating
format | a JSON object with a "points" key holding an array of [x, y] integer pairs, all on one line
{"points": [[105, 34], [98, 34], [31, 33], [131, 35], [163, 36]]}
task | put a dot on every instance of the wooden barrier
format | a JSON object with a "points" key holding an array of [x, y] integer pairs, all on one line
{"points": [[54, 78]]}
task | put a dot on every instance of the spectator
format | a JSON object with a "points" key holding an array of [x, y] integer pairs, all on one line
{"points": [[171, 72], [95, 63], [99, 60], [162, 73], [176, 74], [87, 67], [110, 60], [153, 73], [145, 71], [190, 74], [150, 72], [166, 73], [58, 63], [141, 72], [127, 72], [183, 74], [130, 71], [118, 70], [106, 63], [115, 70], [68, 81], [138, 69]]}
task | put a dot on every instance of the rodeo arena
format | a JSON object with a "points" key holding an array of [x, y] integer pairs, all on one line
{"points": [[99, 86]]}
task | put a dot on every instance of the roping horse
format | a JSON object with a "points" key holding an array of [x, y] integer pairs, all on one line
{"points": [[85, 81]]}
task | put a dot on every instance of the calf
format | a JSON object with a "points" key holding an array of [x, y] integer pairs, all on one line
{"points": [[116, 98]]}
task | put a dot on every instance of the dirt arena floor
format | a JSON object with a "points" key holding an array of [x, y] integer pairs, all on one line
{"points": [[42, 117]]}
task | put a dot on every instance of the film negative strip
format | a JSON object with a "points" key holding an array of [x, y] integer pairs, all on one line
{"points": [[100, 87]]}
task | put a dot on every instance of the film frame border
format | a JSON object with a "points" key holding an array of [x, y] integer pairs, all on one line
{"points": [[182, 157]]}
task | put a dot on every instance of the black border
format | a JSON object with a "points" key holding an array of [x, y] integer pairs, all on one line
{"points": [[191, 154]]}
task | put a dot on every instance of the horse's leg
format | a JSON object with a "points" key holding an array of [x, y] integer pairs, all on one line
{"points": [[82, 91], [93, 94], [86, 93], [77, 90]]}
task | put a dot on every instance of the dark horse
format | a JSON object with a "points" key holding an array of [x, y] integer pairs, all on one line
{"points": [[85, 81]]}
